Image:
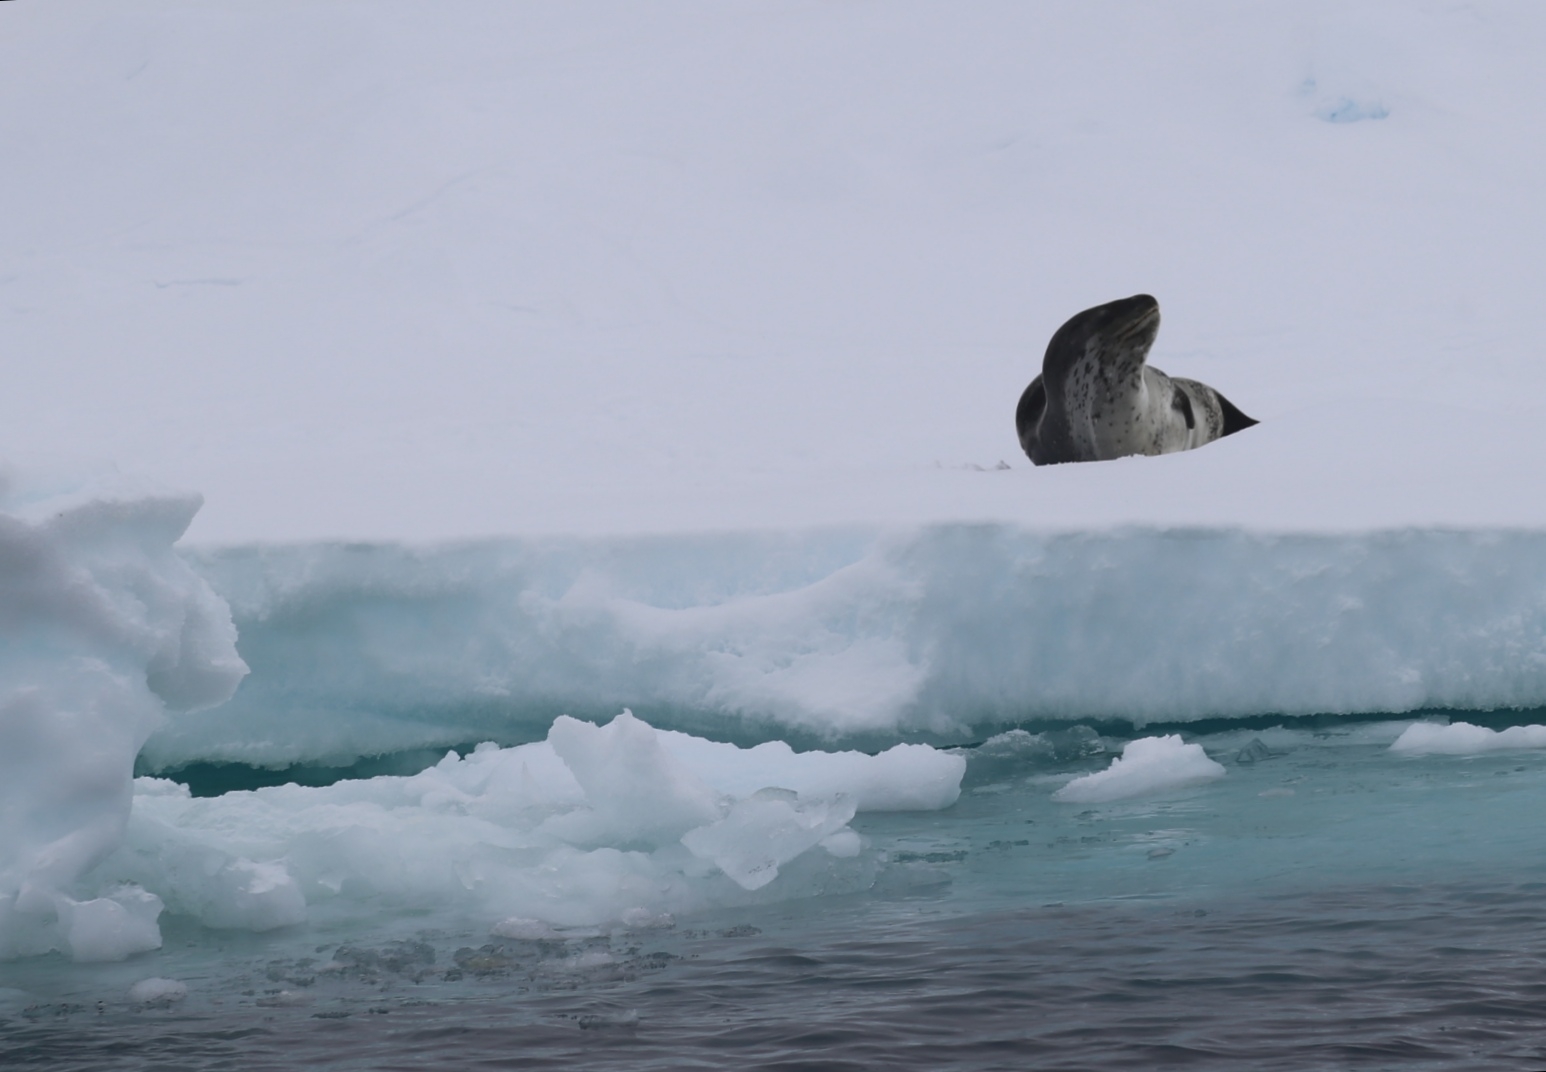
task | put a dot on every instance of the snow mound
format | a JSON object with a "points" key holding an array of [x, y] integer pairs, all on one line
{"points": [[1464, 739], [103, 628], [1147, 765]]}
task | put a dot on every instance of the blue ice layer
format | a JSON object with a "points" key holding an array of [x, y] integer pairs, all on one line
{"points": [[859, 637]]}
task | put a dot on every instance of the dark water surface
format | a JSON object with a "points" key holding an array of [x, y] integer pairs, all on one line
{"points": [[1440, 976]]}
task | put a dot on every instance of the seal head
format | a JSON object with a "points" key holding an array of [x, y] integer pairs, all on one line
{"points": [[1097, 398]]}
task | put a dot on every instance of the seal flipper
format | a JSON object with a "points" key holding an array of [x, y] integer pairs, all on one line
{"points": [[1234, 420], [1033, 403]]}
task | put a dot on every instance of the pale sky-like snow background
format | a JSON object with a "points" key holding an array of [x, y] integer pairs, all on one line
{"points": [[406, 271]]}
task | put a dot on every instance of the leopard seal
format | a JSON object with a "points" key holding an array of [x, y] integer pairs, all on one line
{"points": [[1096, 398]]}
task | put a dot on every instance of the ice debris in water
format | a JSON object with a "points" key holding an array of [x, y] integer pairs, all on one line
{"points": [[1464, 739], [112, 927], [524, 930], [620, 824], [158, 991], [1054, 746], [1255, 751], [1147, 765], [767, 829], [637, 792], [844, 844], [1015, 752], [103, 628]]}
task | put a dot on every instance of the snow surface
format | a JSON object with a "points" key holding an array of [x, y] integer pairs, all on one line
{"points": [[1147, 765], [376, 270], [1464, 739]]}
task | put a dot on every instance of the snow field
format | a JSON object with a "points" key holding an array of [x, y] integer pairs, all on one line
{"points": [[372, 271]]}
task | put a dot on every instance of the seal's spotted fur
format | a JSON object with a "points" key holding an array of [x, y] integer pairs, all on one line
{"points": [[1096, 398]]}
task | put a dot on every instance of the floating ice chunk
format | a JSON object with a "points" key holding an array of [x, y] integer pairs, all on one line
{"points": [[114, 927], [585, 829], [284, 999], [198, 877], [525, 930], [1014, 743], [905, 777], [1255, 751], [1063, 745], [644, 919], [1464, 739], [597, 1020], [1017, 752], [1147, 765], [767, 829], [844, 844], [157, 991], [637, 791], [251, 896]]}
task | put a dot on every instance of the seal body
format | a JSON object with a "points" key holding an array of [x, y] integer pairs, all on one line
{"points": [[1097, 398]]}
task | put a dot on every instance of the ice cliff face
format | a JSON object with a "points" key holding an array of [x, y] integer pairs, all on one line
{"points": [[861, 635], [103, 628]]}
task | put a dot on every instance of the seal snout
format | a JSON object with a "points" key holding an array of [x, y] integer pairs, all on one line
{"points": [[1136, 314], [1136, 322]]}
